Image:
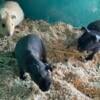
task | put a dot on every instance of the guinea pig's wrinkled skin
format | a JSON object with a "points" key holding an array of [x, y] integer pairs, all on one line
{"points": [[90, 40], [11, 15], [31, 57]]}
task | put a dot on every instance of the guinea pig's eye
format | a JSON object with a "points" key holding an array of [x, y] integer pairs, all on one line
{"points": [[13, 17], [3, 25], [48, 67]]}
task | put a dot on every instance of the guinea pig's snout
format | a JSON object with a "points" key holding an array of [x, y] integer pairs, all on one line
{"points": [[9, 34], [45, 84]]}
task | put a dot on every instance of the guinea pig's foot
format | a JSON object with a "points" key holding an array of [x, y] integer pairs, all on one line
{"points": [[17, 29], [82, 59], [22, 77], [90, 57], [27, 76]]}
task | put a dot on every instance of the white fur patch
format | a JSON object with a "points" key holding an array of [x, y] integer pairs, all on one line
{"points": [[94, 33]]}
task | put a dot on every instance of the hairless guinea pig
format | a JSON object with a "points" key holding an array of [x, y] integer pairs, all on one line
{"points": [[31, 57]]}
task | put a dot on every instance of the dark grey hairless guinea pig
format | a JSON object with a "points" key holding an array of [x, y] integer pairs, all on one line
{"points": [[31, 57], [90, 40]]}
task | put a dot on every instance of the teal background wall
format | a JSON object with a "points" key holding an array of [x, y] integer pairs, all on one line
{"points": [[75, 12]]}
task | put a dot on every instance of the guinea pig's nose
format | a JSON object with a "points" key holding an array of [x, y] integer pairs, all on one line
{"points": [[8, 34], [45, 85]]}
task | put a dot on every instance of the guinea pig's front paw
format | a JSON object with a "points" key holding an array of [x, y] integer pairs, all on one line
{"points": [[82, 59], [90, 57]]}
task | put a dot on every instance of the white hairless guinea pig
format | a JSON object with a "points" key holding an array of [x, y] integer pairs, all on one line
{"points": [[11, 15]]}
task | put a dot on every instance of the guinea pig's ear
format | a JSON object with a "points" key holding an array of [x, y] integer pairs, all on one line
{"points": [[6, 13], [48, 67], [3, 14], [83, 29]]}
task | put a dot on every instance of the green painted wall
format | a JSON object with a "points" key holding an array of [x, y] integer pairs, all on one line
{"points": [[76, 12]]}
